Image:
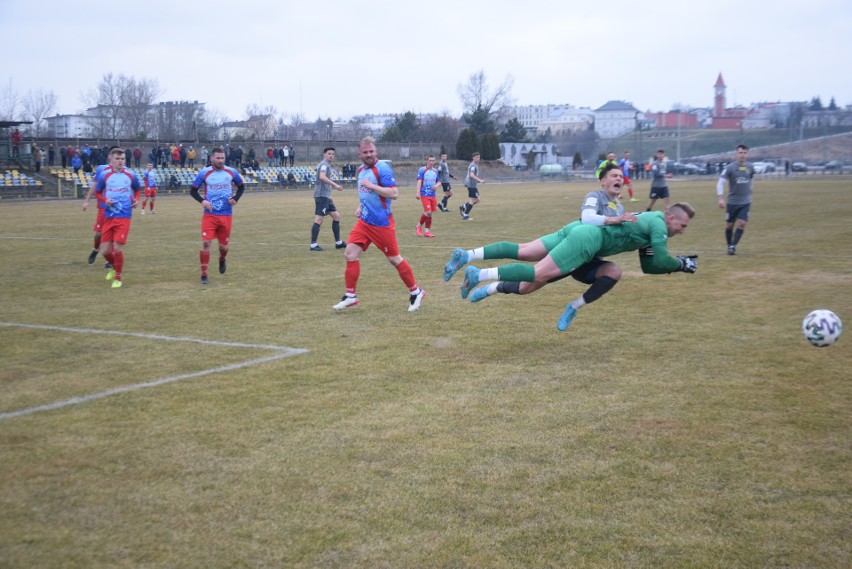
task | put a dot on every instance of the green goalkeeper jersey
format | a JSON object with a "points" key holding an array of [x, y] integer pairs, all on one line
{"points": [[577, 243]]}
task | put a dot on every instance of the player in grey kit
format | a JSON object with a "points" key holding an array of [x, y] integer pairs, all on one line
{"points": [[324, 203], [659, 186], [471, 182], [739, 176], [444, 171]]}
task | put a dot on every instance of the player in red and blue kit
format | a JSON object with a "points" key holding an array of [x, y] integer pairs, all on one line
{"points": [[427, 178], [118, 190], [376, 188], [218, 201], [99, 220], [150, 181]]}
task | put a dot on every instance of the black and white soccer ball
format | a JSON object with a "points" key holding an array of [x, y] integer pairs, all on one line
{"points": [[822, 327]]}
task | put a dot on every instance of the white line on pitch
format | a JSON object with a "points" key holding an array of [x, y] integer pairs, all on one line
{"points": [[152, 337], [283, 352]]}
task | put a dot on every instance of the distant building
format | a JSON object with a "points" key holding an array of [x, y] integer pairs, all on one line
{"points": [[813, 119], [517, 153], [723, 117], [68, 126], [232, 129], [531, 116], [374, 124], [566, 119], [615, 118], [672, 119]]}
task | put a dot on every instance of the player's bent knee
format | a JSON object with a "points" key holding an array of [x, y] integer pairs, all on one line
{"points": [[610, 270]]}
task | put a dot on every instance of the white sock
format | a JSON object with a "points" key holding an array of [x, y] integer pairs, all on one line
{"points": [[492, 288], [477, 254], [578, 304], [488, 274]]}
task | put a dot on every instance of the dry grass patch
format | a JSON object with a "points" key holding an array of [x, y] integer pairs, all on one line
{"points": [[681, 422]]}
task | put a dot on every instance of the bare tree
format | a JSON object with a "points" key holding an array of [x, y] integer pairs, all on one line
{"points": [[261, 121], [210, 122], [289, 129], [443, 129], [139, 96], [10, 104], [38, 105], [105, 106], [475, 94]]}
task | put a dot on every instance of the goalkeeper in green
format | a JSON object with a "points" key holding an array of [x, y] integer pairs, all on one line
{"points": [[560, 253]]}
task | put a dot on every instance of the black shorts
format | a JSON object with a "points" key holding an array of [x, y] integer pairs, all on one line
{"points": [[585, 273], [659, 193], [446, 185], [472, 192], [324, 206], [737, 211]]}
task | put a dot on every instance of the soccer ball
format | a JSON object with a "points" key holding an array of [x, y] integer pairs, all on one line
{"points": [[822, 327]]}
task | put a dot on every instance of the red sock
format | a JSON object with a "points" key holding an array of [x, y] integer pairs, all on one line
{"points": [[97, 240], [110, 257], [630, 190], [407, 275], [423, 219], [144, 203], [152, 206], [205, 261], [350, 276], [118, 263], [222, 253], [429, 222]]}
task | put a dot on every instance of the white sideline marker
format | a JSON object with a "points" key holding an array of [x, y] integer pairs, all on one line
{"points": [[282, 352]]}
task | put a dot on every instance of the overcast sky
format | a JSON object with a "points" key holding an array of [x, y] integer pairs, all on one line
{"points": [[340, 58]]}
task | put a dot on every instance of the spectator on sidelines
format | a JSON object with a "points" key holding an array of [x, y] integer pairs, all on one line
{"points": [[37, 156], [16, 143]]}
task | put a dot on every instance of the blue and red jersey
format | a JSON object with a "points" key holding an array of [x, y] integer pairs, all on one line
{"points": [[120, 187], [218, 188], [376, 209], [96, 177], [149, 179], [430, 178]]}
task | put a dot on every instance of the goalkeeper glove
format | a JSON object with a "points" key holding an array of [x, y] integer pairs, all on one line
{"points": [[688, 263]]}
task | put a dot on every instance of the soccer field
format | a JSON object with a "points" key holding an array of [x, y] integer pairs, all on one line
{"points": [[682, 420]]}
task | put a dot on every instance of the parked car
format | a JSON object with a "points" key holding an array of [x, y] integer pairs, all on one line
{"points": [[763, 167], [834, 165], [799, 167]]}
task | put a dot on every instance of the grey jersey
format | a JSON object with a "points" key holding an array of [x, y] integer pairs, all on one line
{"points": [[323, 190], [658, 174], [472, 169], [739, 180], [445, 172], [600, 203]]}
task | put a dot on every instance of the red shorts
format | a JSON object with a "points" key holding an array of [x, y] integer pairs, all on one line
{"points": [[115, 230], [382, 237], [218, 226], [627, 181], [99, 221], [429, 203], [150, 192]]}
